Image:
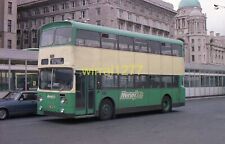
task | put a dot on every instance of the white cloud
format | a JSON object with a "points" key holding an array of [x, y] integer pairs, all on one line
{"points": [[215, 18]]}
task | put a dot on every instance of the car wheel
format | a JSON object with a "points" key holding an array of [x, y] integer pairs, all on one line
{"points": [[106, 110], [3, 114], [166, 104]]}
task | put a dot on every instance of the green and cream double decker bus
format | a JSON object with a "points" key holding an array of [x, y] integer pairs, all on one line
{"points": [[95, 71]]}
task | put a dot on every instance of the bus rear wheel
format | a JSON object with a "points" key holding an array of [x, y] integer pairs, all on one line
{"points": [[106, 110], [166, 104]]}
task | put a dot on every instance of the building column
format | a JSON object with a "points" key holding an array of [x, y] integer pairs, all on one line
{"points": [[25, 75], [9, 72]]}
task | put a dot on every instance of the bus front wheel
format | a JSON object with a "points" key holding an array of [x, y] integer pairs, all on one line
{"points": [[166, 104], [106, 110]]}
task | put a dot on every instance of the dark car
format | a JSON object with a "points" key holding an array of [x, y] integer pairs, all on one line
{"points": [[18, 103]]}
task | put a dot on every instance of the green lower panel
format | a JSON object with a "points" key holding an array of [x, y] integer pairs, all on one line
{"points": [[122, 98], [51, 102], [125, 98]]}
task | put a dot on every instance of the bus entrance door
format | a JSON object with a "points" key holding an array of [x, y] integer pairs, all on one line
{"points": [[85, 94]]}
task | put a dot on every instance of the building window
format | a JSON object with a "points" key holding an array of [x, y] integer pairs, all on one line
{"points": [[9, 25], [44, 21], [121, 24], [192, 40], [199, 48], [73, 16], [146, 30], [46, 10], [34, 34], [193, 48], [39, 22], [63, 6], [73, 4], [183, 22], [84, 2], [98, 11], [53, 19], [36, 11], [178, 24], [199, 58], [137, 18], [9, 44], [83, 14], [98, 22], [9, 7], [193, 58], [34, 22], [120, 2], [130, 26], [54, 8], [120, 13], [63, 17], [18, 42], [137, 28], [129, 15]]}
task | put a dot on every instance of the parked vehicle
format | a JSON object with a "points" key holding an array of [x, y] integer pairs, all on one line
{"points": [[18, 103]]}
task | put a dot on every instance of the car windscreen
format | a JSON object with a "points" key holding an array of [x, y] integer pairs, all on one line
{"points": [[56, 79], [56, 36], [12, 95]]}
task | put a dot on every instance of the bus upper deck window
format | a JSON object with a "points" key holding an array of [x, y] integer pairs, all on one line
{"points": [[47, 38], [63, 36]]}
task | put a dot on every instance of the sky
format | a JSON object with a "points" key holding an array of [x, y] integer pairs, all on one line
{"points": [[215, 18]]}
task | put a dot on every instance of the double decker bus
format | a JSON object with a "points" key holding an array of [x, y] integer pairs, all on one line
{"points": [[94, 71]]}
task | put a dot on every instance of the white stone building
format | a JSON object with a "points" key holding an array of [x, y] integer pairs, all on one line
{"points": [[145, 16], [191, 28], [8, 23]]}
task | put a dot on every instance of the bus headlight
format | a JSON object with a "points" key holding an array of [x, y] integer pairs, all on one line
{"points": [[63, 100], [40, 108], [62, 111], [40, 99]]}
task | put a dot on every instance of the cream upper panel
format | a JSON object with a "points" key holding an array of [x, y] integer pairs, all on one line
{"points": [[122, 62], [65, 52]]}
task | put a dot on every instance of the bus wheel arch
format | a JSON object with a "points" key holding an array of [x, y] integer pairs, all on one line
{"points": [[166, 103], [106, 108]]}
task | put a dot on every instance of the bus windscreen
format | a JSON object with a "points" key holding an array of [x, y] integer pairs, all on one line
{"points": [[56, 79], [57, 36]]}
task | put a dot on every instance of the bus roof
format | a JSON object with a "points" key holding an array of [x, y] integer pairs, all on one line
{"points": [[108, 30]]}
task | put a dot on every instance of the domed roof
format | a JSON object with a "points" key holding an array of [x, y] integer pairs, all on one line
{"points": [[196, 12], [189, 3]]}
